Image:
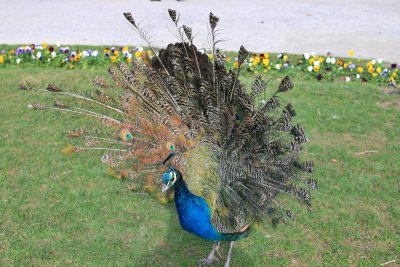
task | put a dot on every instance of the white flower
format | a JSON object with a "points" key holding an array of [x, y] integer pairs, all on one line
{"points": [[334, 117], [348, 79], [277, 66], [380, 60], [129, 55], [316, 63], [306, 55], [279, 56], [139, 48], [373, 62], [310, 68], [48, 59], [53, 54], [58, 44], [358, 76], [95, 53], [328, 60], [33, 57], [251, 59], [18, 60], [84, 53], [312, 53], [39, 54], [262, 102], [333, 60]]}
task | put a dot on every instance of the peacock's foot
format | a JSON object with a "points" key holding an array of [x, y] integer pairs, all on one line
{"points": [[211, 257], [208, 261]]}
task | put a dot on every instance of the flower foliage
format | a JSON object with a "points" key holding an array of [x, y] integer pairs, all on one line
{"points": [[327, 67]]}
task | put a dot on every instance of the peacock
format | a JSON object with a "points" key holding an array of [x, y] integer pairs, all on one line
{"points": [[178, 119]]}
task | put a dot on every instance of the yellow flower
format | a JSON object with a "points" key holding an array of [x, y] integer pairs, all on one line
{"points": [[77, 58], [311, 61], [351, 53], [360, 69], [106, 50], [374, 74], [391, 79], [129, 60], [340, 62], [378, 69], [138, 54], [236, 64], [316, 68], [44, 45], [371, 69], [113, 58], [125, 49], [210, 56], [345, 65], [394, 74], [266, 55], [12, 52], [1, 60], [71, 66], [256, 60], [285, 58], [116, 53], [228, 59], [265, 61], [321, 59]]}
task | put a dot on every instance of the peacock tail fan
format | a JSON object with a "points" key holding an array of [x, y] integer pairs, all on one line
{"points": [[182, 109]]}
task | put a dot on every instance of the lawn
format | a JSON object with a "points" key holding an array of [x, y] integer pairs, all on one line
{"points": [[64, 210]]}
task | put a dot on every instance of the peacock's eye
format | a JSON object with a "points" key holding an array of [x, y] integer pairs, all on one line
{"points": [[128, 136]]}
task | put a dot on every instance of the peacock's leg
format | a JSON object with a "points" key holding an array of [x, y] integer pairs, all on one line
{"points": [[228, 259], [211, 257]]}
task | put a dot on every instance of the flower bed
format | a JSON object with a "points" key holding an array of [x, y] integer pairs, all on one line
{"points": [[327, 67]]}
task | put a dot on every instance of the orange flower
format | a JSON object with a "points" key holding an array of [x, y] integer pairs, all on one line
{"points": [[113, 58], [129, 60], [1, 60]]}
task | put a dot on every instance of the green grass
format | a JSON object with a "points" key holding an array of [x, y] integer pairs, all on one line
{"points": [[58, 210]]}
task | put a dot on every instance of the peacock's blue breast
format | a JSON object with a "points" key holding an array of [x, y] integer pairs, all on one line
{"points": [[194, 214]]}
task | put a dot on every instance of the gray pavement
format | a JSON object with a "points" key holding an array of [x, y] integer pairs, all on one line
{"points": [[369, 27]]}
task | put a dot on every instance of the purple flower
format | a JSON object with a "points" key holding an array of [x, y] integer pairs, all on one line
{"points": [[89, 52], [67, 58], [106, 54], [352, 66], [73, 54], [66, 51], [61, 50], [126, 53], [112, 49], [28, 49], [120, 48], [393, 66]]}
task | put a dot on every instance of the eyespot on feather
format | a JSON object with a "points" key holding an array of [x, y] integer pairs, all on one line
{"points": [[170, 146], [125, 135]]}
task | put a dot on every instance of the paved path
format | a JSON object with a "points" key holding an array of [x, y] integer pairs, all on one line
{"points": [[369, 27]]}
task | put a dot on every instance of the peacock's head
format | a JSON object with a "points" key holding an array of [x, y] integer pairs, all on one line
{"points": [[169, 179]]}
